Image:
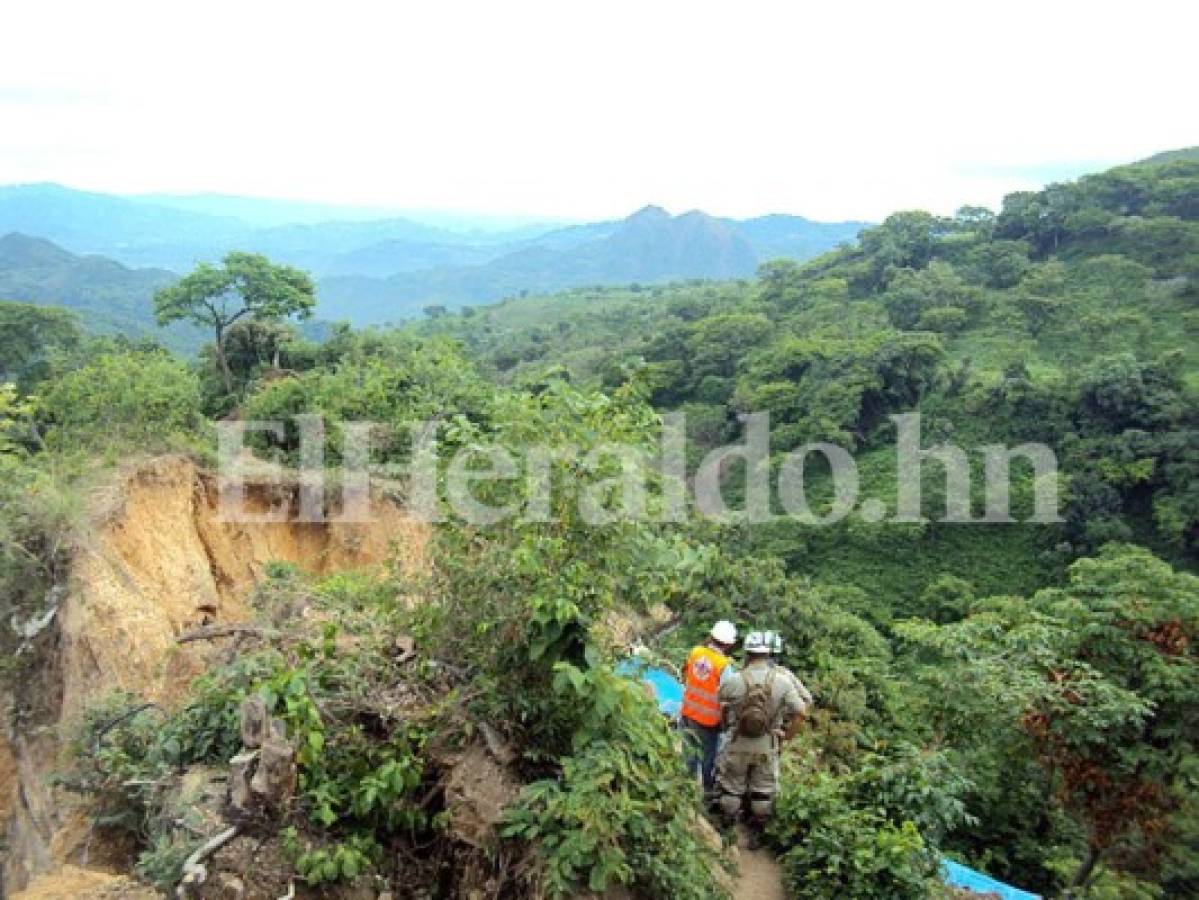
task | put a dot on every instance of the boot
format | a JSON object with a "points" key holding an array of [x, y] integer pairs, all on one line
{"points": [[757, 835]]}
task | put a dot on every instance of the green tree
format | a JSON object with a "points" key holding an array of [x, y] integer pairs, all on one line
{"points": [[1124, 392], [717, 343], [15, 415], [1042, 296], [975, 218], [999, 264], [27, 333], [252, 345], [1100, 678], [914, 293], [781, 280], [246, 284], [905, 240]]}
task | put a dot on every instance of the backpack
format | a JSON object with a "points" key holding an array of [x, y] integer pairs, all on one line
{"points": [[753, 715]]}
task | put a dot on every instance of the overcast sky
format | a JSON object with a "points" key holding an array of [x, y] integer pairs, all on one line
{"points": [[591, 109]]}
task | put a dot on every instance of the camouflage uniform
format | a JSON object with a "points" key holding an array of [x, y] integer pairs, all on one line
{"points": [[751, 765]]}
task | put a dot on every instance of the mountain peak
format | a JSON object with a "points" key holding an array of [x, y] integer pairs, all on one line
{"points": [[649, 213], [22, 249]]}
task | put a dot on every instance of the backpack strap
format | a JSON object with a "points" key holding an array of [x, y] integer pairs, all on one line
{"points": [[767, 682]]}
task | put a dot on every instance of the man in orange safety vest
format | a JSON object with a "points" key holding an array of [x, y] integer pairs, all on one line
{"points": [[707, 665]]}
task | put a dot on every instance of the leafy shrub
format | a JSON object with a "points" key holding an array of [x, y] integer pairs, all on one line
{"points": [[837, 838], [341, 861], [623, 810], [356, 786], [141, 399], [394, 380], [161, 864], [125, 750]]}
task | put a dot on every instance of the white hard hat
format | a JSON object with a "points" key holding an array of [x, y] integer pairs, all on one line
{"points": [[725, 632], [758, 642]]}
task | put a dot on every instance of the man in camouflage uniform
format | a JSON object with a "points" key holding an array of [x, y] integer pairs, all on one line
{"points": [[749, 765]]}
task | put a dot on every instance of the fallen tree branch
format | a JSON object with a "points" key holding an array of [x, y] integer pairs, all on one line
{"points": [[195, 873], [210, 632]]}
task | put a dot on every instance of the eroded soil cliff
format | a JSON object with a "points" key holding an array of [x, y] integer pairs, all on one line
{"points": [[158, 558]]}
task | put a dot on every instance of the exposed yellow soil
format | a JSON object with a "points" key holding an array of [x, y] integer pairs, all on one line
{"points": [[158, 559], [759, 876], [8, 778], [74, 883], [164, 560]]}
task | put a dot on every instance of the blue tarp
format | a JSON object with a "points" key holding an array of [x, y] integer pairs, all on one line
{"points": [[669, 694], [667, 690], [959, 876]]}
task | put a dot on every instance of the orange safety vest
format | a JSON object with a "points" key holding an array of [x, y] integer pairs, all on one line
{"points": [[701, 688]]}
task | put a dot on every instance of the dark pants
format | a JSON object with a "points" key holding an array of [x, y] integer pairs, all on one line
{"points": [[699, 751]]}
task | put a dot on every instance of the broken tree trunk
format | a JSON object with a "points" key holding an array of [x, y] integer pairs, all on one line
{"points": [[274, 781], [254, 721], [241, 771]]}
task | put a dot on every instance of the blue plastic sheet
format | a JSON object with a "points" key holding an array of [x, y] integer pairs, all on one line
{"points": [[667, 690], [669, 694], [959, 876]]}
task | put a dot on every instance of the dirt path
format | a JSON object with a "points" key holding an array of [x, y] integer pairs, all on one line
{"points": [[760, 876]]}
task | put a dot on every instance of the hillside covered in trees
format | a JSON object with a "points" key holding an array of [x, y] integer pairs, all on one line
{"points": [[1020, 696], [1070, 317], [111, 298]]}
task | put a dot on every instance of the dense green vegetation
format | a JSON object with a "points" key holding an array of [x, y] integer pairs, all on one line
{"points": [[1020, 696], [1068, 318]]}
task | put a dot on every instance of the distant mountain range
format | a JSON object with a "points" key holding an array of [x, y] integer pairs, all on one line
{"points": [[649, 246], [105, 255], [415, 262], [376, 268], [108, 297]]}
